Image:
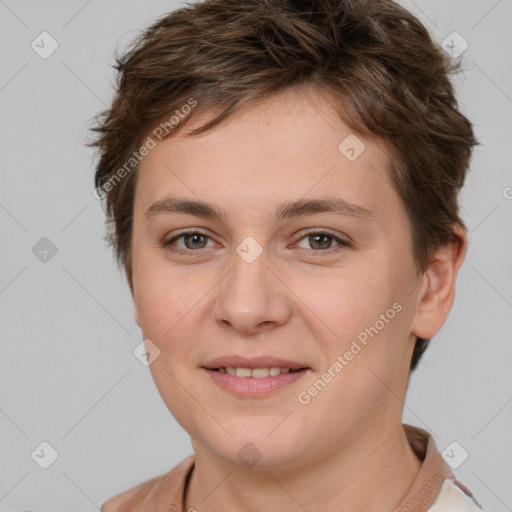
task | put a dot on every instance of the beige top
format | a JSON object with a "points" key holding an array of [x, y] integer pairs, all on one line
{"points": [[435, 488]]}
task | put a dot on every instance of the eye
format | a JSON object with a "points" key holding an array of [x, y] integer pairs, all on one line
{"points": [[193, 241], [321, 241]]}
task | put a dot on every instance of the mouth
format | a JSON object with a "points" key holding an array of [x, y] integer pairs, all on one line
{"points": [[260, 363], [257, 373], [254, 377]]}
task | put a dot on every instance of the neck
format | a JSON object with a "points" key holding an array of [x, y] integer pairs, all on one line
{"points": [[372, 474]]}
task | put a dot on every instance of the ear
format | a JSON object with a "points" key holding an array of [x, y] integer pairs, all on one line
{"points": [[438, 290]]}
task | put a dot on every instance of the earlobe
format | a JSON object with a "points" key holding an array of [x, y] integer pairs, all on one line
{"points": [[437, 295]]}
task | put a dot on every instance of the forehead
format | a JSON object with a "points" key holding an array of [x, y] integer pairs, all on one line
{"points": [[293, 145]]}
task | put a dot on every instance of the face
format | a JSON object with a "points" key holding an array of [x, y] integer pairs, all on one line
{"points": [[272, 271]]}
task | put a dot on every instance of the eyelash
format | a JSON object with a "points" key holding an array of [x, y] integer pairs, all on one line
{"points": [[194, 252]]}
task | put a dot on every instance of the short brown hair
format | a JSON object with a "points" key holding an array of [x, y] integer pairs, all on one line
{"points": [[388, 78]]}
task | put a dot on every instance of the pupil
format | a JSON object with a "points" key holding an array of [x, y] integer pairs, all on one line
{"points": [[325, 237], [193, 237]]}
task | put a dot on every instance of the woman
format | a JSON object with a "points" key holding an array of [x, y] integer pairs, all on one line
{"points": [[281, 181]]}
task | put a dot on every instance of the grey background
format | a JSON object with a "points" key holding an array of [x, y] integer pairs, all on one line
{"points": [[67, 372]]}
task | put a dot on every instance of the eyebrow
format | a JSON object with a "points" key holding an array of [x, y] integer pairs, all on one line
{"points": [[286, 210]]}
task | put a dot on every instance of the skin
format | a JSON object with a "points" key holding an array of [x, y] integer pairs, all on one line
{"points": [[304, 299]]}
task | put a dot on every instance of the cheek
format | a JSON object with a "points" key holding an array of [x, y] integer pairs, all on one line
{"points": [[162, 299], [364, 321], [167, 318], [172, 312], [344, 302], [176, 389]]}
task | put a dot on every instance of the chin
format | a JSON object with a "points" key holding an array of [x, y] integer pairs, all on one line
{"points": [[257, 450]]}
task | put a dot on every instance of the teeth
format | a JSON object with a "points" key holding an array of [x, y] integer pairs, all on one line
{"points": [[258, 373], [243, 372]]}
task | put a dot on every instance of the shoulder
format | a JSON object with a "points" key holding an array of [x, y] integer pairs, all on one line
{"points": [[155, 494], [455, 497]]}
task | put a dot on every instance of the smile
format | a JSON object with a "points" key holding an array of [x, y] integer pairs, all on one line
{"points": [[258, 373], [254, 382]]}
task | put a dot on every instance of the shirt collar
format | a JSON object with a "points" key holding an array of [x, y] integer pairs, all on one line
{"points": [[433, 472]]}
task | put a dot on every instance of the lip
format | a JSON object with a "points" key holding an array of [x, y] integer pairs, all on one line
{"points": [[253, 362], [252, 387]]}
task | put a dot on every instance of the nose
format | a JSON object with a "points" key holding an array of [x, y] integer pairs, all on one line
{"points": [[251, 298]]}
